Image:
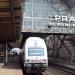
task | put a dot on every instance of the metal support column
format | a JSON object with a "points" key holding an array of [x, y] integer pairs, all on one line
{"points": [[63, 44], [6, 59], [56, 43]]}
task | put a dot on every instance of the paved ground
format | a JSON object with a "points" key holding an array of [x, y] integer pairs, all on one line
{"points": [[5, 71], [12, 67]]}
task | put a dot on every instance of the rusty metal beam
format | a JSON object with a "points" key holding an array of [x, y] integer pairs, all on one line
{"points": [[10, 22], [5, 19], [4, 4], [4, 0], [7, 9], [4, 9]]}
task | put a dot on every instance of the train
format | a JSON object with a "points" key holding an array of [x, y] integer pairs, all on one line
{"points": [[33, 55]]}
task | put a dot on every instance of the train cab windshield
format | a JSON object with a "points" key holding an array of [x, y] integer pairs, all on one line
{"points": [[35, 52]]}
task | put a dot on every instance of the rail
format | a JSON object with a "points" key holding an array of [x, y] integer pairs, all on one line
{"points": [[64, 67]]}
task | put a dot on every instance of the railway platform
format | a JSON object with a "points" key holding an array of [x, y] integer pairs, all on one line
{"points": [[11, 68]]}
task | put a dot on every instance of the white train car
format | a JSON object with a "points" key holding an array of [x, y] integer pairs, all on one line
{"points": [[35, 55]]}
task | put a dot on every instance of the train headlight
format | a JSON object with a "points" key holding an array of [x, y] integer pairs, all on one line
{"points": [[28, 60], [45, 65], [28, 65], [44, 60]]}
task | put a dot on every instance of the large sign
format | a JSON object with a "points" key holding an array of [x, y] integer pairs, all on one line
{"points": [[62, 21]]}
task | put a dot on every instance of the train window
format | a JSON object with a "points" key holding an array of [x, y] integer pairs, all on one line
{"points": [[35, 52]]}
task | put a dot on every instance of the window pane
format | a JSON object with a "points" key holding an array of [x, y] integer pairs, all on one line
{"points": [[35, 51]]}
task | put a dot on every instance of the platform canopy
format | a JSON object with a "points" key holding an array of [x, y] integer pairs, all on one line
{"points": [[10, 20]]}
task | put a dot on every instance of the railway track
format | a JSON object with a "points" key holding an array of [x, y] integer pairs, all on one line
{"points": [[49, 72], [40, 73], [64, 67], [46, 73]]}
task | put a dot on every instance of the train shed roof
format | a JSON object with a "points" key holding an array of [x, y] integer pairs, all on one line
{"points": [[10, 20]]}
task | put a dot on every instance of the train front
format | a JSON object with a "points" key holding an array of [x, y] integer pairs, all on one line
{"points": [[35, 55]]}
